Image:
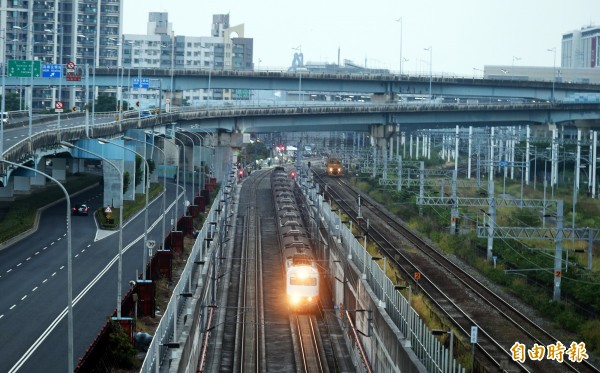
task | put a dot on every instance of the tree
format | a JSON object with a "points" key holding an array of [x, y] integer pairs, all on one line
{"points": [[105, 102], [139, 166], [11, 102], [126, 181]]}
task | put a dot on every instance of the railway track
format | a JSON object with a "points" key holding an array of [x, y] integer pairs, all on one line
{"points": [[311, 359], [462, 298]]}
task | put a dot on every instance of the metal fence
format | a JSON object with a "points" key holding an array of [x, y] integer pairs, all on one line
{"points": [[432, 354], [195, 283]]}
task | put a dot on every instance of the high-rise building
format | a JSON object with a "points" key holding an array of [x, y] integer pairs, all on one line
{"points": [[62, 31], [581, 48], [225, 49]]}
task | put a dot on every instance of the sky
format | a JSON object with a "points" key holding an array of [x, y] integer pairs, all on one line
{"points": [[464, 35]]}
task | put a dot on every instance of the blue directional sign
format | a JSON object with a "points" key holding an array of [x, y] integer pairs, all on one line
{"points": [[50, 70], [503, 163], [141, 83]]}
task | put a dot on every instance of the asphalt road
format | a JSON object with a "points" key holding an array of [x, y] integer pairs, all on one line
{"points": [[33, 282]]}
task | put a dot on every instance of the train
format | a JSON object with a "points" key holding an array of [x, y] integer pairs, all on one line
{"points": [[299, 258], [334, 166]]}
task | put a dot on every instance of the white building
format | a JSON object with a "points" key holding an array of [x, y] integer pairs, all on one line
{"points": [[225, 49], [581, 48]]}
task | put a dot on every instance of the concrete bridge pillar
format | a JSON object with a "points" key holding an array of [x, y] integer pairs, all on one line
{"points": [[224, 148], [77, 165], [22, 184], [112, 184], [59, 169], [7, 191], [38, 179]]}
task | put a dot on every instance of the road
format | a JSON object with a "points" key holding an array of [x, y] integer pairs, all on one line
{"points": [[33, 283]]}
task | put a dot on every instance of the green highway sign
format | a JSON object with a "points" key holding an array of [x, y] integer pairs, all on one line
{"points": [[22, 68]]}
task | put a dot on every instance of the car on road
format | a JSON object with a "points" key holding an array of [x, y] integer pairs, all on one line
{"points": [[80, 210]]}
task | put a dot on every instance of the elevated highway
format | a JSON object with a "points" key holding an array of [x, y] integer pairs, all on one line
{"points": [[383, 85], [247, 119]]}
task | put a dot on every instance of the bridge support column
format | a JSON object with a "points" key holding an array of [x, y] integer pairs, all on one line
{"points": [[6, 192], [112, 193], [22, 184], [226, 143], [39, 179], [77, 165], [59, 169]]}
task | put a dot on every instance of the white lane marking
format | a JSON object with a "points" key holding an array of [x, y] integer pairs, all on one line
{"points": [[9, 270], [76, 255], [13, 306], [27, 259], [24, 297], [51, 243], [43, 282], [34, 289], [53, 274], [59, 238], [62, 315], [18, 265], [37, 252], [61, 267], [45, 248]]}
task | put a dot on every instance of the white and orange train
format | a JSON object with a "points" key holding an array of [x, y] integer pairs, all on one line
{"points": [[301, 269]]}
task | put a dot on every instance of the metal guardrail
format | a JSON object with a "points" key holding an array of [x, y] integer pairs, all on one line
{"points": [[193, 286], [427, 348]]}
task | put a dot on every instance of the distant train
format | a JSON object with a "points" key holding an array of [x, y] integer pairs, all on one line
{"points": [[334, 166], [301, 270]]}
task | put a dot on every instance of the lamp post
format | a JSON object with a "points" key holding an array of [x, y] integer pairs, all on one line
{"points": [[3, 104], [164, 205], [212, 135], [120, 248], [440, 332], [147, 187], [177, 177], [430, 49], [60, 61], [193, 160], [400, 20], [30, 32], [200, 141], [553, 50], [69, 262], [515, 58]]}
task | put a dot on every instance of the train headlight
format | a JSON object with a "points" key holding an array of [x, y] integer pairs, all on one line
{"points": [[330, 169], [294, 299], [303, 274], [309, 299]]}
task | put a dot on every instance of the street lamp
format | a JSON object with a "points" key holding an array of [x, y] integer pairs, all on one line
{"points": [[120, 248], [441, 332], [3, 105], [60, 60], [31, 88], [164, 205], [177, 177], [193, 167], [147, 187], [553, 50], [200, 141], [430, 49], [515, 58], [400, 20], [69, 262]]}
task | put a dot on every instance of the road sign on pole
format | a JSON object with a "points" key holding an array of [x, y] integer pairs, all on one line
{"points": [[50, 70], [141, 82], [22, 68], [58, 106]]}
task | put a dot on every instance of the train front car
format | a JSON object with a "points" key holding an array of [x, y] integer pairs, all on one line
{"points": [[334, 167], [302, 282]]}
